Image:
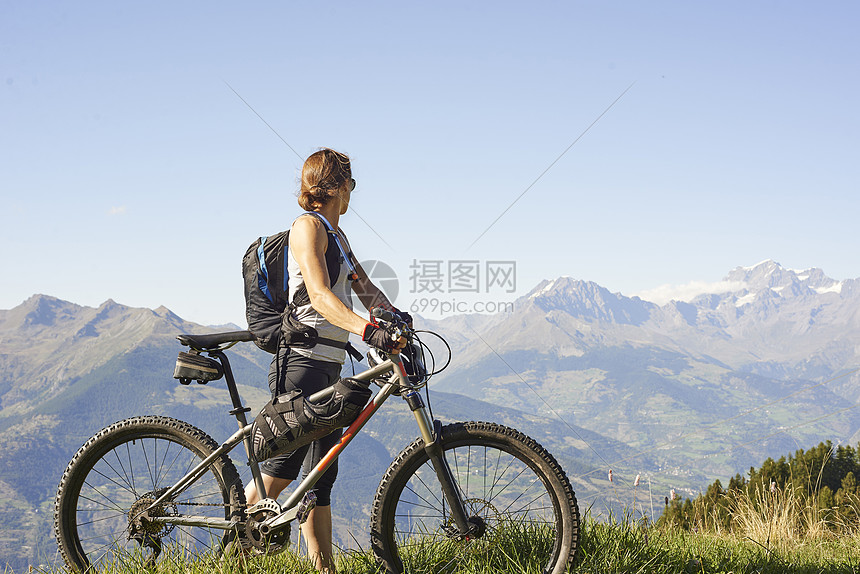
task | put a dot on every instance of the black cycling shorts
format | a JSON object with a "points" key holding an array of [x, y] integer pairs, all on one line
{"points": [[309, 376]]}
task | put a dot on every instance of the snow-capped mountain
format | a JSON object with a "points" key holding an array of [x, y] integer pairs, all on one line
{"points": [[768, 341], [770, 314], [771, 275]]}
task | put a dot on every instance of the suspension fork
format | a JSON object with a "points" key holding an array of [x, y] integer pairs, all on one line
{"points": [[431, 433]]}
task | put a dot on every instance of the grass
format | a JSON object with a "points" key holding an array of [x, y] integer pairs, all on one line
{"points": [[624, 547], [605, 548], [773, 532]]}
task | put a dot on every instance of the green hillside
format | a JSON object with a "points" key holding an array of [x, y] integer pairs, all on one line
{"points": [[682, 410]]}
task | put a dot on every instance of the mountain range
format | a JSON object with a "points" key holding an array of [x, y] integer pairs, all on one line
{"points": [[67, 371], [708, 387], [681, 393]]}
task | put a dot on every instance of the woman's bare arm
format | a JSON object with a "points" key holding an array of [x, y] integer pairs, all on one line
{"points": [[308, 242]]}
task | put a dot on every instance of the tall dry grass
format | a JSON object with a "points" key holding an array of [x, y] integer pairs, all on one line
{"points": [[780, 518]]}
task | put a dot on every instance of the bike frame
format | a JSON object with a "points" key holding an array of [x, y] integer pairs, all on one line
{"points": [[392, 368]]}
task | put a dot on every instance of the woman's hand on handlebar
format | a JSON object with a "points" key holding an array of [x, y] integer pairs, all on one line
{"points": [[384, 338], [386, 330]]}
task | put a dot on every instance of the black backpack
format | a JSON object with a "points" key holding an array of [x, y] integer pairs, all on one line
{"points": [[269, 313]]}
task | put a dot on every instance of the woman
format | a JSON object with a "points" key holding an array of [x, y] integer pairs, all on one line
{"points": [[325, 191]]}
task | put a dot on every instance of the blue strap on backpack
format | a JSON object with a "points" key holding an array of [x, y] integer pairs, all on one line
{"points": [[266, 278]]}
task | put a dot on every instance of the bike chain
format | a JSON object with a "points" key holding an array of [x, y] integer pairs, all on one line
{"points": [[177, 503]]}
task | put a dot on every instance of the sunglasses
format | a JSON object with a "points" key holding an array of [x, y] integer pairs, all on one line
{"points": [[351, 185]]}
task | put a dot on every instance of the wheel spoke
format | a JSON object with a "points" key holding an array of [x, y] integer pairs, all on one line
{"points": [[527, 506], [468, 467], [187, 532], [510, 482], [94, 521], [515, 500], [427, 488], [111, 504], [508, 486], [415, 504], [498, 478], [155, 460], [148, 465], [175, 458], [484, 481], [495, 471], [104, 492], [130, 467], [122, 476]]}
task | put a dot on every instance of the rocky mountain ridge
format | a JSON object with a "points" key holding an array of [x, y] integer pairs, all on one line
{"points": [[648, 374], [46, 344], [768, 314]]}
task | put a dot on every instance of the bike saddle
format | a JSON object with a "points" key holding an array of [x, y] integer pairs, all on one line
{"points": [[214, 340]]}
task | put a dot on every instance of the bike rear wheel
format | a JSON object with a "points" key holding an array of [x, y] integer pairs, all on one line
{"points": [[508, 482], [98, 517]]}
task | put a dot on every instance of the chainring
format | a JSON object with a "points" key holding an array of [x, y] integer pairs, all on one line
{"points": [[272, 543]]}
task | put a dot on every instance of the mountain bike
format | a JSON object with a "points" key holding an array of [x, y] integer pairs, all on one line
{"points": [[150, 489]]}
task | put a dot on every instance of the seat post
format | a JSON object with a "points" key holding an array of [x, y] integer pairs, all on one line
{"points": [[231, 386], [239, 411]]}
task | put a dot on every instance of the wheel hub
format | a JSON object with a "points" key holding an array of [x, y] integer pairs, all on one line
{"points": [[477, 527], [475, 508], [140, 516]]}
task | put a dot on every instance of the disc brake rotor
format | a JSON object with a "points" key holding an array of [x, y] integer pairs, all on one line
{"points": [[476, 510]]}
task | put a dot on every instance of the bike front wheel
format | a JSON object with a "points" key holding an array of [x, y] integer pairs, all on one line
{"points": [[103, 516], [510, 485]]}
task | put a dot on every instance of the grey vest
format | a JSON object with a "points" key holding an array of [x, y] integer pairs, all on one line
{"points": [[307, 315]]}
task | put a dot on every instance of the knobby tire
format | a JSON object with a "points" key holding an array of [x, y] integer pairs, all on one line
{"points": [[507, 479], [122, 467]]}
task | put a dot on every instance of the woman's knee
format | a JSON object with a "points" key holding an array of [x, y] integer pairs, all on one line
{"points": [[274, 487]]}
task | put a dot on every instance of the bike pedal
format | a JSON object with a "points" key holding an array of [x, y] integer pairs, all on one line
{"points": [[308, 503]]}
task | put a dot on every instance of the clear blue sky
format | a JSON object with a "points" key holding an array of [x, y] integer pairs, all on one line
{"points": [[131, 171]]}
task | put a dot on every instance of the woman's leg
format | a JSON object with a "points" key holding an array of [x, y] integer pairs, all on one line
{"points": [[317, 531], [274, 487], [286, 372], [309, 376]]}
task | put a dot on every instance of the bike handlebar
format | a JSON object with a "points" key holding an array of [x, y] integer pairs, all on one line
{"points": [[392, 323], [383, 314]]}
